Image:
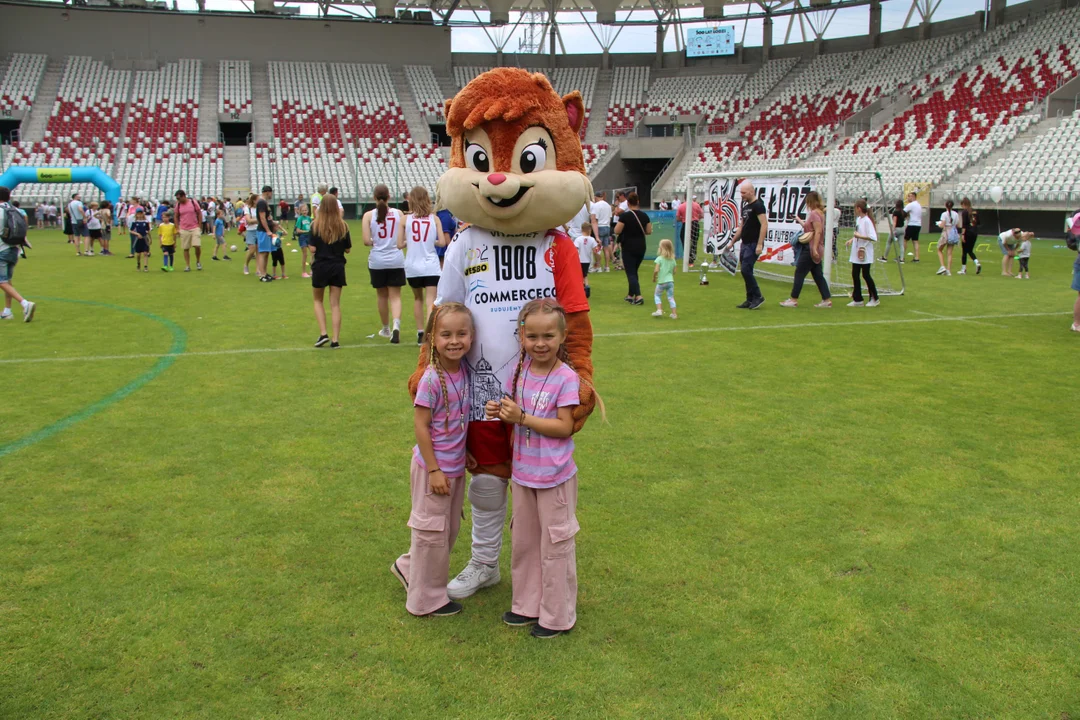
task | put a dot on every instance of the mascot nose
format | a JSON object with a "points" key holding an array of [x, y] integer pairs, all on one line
{"points": [[496, 178]]}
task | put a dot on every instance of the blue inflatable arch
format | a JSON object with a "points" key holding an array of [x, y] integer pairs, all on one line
{"points": [[20, 175]]}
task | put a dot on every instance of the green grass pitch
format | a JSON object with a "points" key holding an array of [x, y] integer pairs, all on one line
{"points": [[846, 513]]}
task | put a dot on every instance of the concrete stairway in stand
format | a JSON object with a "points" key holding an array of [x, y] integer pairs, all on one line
{"points": [[418, 128], [237, 177], [262, 121], [601, 101], [208, 103], [33, 127]]}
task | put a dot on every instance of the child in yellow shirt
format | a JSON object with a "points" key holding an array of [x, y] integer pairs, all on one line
{"points": [[167, 238]]}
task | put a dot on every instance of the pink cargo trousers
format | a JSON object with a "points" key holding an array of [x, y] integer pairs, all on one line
{"points": [[435, 521], [543, 560]]}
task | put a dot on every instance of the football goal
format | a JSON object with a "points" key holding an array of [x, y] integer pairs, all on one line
{"points": [[783, 193]]}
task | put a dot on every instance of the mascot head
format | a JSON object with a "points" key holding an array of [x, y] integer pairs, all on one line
{"points": [[515, 158]]}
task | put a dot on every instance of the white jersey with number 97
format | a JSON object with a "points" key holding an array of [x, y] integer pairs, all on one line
{"points": [[421, 260]]}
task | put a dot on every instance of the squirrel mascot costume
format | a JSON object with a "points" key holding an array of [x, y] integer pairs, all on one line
{"points": [[516, 172]]}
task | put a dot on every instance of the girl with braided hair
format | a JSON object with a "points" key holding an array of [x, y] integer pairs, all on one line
{"points": [[437, 474], [539, 402]]}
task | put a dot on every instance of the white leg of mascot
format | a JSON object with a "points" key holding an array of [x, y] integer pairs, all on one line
{"points": [[516, 173]]}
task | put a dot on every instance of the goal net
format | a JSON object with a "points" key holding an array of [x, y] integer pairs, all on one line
{"points": [[783, 193]]}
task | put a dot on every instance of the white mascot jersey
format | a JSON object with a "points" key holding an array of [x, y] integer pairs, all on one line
{"points": [[494, 275]]}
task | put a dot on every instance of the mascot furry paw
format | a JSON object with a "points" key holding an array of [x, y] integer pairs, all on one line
{"points": [[516, 173]]}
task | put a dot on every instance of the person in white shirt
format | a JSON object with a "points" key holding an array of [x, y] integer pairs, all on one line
{"points": [[621, 202], [587, 247], [950, 238], [862, 255], [382, 228], [584, 216], [78, 221], [913, 210], [601, 211], [1024, 255], [422, 234]]}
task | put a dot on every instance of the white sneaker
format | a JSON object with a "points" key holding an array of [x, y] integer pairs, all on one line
{"points": [[963, 271], [856, 303], [6, 315], [873, 303], [948, 273], [385, 332], [28, 311], [658, 313], [474, 577], [942, 270]]}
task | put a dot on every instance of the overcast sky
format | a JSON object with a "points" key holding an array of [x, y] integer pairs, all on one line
{"points": [[578, 38]]}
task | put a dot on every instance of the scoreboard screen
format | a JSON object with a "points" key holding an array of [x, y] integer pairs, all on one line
{"points": [[710, 41]]}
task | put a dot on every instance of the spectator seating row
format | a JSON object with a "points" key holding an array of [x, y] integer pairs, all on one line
{"points": [[628, 86], [730, 111], [425, 88], [234, 86], [21, 82]]}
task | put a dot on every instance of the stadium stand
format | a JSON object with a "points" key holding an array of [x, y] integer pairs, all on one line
{"points": [[234, 86], [21, 82], [695, 95], [425, 89], [161, 152], [729, 111], [628, 85], [1042, 170], [83, 129]]}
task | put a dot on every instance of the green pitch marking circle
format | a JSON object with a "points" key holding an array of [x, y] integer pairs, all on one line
{"points": [[179, 344]]}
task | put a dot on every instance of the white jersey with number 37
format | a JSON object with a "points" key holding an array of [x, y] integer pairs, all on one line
{"points": [[384, 250]]}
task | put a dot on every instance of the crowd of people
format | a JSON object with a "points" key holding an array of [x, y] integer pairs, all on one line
{"points": [[608, 236]]}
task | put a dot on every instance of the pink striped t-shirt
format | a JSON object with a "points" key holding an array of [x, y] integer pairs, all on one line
{"points": [[447, 433], [539, 461]]}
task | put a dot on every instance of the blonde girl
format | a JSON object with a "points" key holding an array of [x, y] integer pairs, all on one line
{"points": [[663, 275], [810, 253], [862, 255], [382, 228], [330, 243], [421, 236], [437, 473], [539, 401]]}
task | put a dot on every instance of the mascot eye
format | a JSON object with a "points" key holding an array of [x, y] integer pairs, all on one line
{"points": [[534, 157], [476, 158]]}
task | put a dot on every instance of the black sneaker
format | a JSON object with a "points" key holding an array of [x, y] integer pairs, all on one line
{"points": [[588, 291], [395, 338], [396, 572], [419, 337], [335, 345], [264, 278], [450, 608], [215, 258], [978, 269], [226, 257], [756, 304], [323, 339], [539, 631], [639, 301], [514, 620], [743, 306]]}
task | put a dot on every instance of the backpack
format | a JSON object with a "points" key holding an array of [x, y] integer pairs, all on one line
{"points": [[14, 230]]}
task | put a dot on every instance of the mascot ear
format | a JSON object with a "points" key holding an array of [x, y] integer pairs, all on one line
{"points": [[446, 107], [575, 110]]}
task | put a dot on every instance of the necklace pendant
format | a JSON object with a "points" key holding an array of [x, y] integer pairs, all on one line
{"points": [[528, 437]]}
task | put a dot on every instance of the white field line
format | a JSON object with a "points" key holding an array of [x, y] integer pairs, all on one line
{"points": [[679, 331], [973, 322]]}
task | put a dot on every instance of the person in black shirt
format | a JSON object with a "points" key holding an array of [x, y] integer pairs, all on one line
{"points": [[752, 230], [969, 233], [264, 224], [331, 242], [632, 228], [896, 232]]}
